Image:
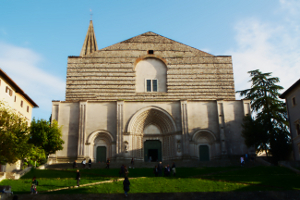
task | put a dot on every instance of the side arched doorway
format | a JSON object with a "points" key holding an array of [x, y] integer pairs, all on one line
{"points": [[100, 145], [203, 145], [152, 148], [101, 154]]}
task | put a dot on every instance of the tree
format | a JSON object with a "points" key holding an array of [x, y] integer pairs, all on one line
{"points": [[46, 135], [14, 134], [270, 117]]}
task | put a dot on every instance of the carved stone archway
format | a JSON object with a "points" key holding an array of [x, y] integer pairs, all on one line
{"points": [[203, 138], [100, 138], [158, 117]]}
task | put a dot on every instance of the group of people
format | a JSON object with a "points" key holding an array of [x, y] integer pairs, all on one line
{"points": [[83, 163], [158, 169], [245, 158]]}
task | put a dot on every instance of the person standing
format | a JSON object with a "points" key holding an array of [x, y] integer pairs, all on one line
{"points": [[168, 170], [159, 169], [125, 171], [74, 164], [122, 171], [83, 163], [132, 163], [246, 157], [155, 171], [107, 163], [126, 184], [242, 161], [173, 169], [34, 184], [78, 177], [90, 163]]}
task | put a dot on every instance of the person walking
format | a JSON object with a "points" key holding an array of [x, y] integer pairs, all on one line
{"points": [[74, 164], [78, 177], [107, 163], [126, 184], [90, 163], [34, 184]]}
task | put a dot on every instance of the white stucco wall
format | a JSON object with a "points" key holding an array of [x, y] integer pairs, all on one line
{"points": [[151, 68]]}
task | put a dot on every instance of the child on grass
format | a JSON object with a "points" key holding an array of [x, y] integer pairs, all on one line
{"points": [[34, 183]]}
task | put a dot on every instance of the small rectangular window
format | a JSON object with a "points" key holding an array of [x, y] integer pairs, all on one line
{"points": [[15, 98], [293, 101], [148, 85], [27, 108], [21, 104], [154, 83], [150, 52], [8, 91]]}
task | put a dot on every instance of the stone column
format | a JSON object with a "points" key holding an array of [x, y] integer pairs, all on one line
{"points": [[222, 127], [119, 138], [185, 129], [82, 127]]}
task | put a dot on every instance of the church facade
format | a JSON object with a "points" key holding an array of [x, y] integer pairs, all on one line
{"points": [[149, 97]]}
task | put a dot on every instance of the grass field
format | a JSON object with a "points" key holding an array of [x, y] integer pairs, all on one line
{"points": [[187, 180]]}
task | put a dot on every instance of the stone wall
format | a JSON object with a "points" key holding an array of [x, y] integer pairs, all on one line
{"points": [[109, 73]]}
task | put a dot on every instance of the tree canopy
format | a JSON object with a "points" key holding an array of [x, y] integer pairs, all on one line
{"points": [[14, 134], [267, 129], [46, 135]]}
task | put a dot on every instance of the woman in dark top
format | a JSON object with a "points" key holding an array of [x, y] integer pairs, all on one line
{"points": [[126, 184]]}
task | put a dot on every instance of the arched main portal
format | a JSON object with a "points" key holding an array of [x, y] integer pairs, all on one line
{"points": [[152, 130]]}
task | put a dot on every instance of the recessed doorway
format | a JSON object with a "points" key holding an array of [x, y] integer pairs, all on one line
{"points": [[203, 153], [152, 148], [101, 154]]}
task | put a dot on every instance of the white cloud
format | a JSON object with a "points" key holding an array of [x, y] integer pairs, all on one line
{"points": [[24, 67], [269, 47]]}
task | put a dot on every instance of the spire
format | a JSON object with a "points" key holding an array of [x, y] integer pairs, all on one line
{"points": [[90, 43]]}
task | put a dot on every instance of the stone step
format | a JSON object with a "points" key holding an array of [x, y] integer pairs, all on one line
{"points": [[140, 164]]}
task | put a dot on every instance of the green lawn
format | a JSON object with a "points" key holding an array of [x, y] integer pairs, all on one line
{"points": [[187, 180]]}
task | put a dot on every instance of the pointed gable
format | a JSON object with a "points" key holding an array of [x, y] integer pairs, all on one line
{"points": [[149, 39], [90, 43]]}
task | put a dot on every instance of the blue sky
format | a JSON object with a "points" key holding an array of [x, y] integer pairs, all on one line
{"points": [[36, 37]]}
